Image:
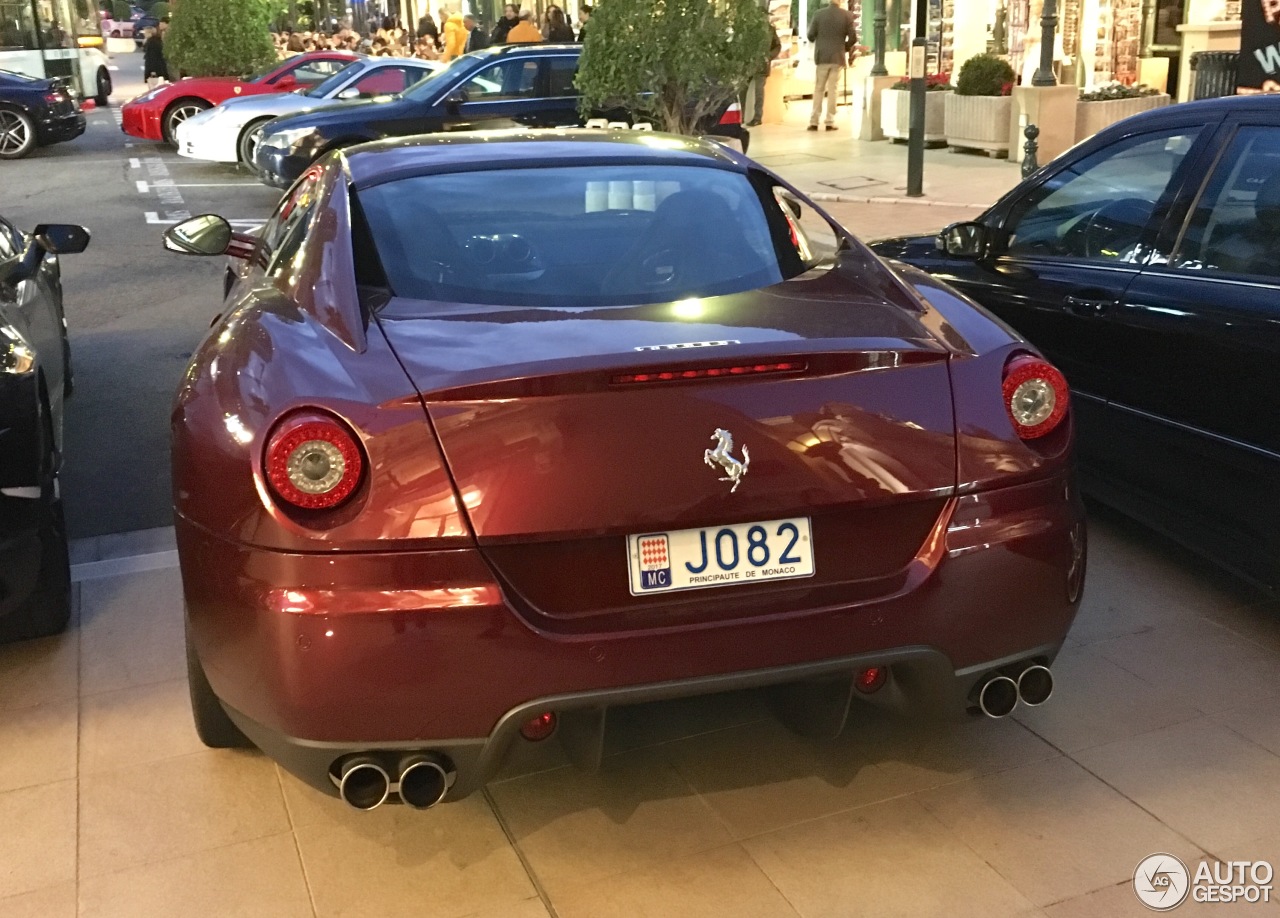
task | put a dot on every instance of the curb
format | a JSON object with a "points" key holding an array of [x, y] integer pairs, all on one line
{"points": [[919, 202]]}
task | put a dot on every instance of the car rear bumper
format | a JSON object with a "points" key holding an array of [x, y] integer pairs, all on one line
{"points": [[141, 121], [207, 142], [321, 656], [59, 128], [276, 167]]}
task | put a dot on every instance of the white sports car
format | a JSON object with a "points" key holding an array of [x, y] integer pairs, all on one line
{"points": [[228, 133]]}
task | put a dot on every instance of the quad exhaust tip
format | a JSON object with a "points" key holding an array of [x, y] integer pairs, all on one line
{"points": [[363, 783], [999, 696], [1035, 685]]}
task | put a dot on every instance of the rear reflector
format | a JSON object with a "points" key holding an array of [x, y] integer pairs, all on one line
{"points": [[540, 727], [749, 369], [872, 679], [732, 114]]}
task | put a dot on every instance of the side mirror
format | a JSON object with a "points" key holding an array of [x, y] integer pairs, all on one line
{"points": [[965, 240], [457, 97], [61, 238], [207, 234], [349, 93], [286, 83]]}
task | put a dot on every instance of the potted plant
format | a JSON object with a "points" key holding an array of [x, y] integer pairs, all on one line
{"points": [[895, 109], [979, 110], [1114, 102]]}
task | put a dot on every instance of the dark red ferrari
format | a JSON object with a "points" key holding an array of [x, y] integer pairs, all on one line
{"points": [[500, 431]]}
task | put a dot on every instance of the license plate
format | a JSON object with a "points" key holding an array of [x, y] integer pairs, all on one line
{"points": [[694, 559]]}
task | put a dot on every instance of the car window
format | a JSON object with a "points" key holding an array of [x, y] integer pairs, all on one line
{"points": [[1235, 228], [1097, 207], [314, 71], [814, 239], [511, 79], [573, 236], [561, 73], [384, 81], [283, 234]]}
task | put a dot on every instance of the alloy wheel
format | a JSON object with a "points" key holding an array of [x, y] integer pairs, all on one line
{"points": [[17, 134], [178, 114]]}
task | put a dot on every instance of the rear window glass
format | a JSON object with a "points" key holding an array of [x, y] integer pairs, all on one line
{"points": [[572, 236]]}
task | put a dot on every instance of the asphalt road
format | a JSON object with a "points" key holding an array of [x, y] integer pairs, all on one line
{"points": [[135, 312]]}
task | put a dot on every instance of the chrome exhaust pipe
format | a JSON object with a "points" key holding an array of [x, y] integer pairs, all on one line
{"points": [[363, 784], [424, 780], [1035, 685], [999, 696]]}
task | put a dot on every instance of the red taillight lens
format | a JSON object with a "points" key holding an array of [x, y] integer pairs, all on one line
{"points": [[540, 727], [1035, 395], [54, 97], [313, 462], [871, 680], [732, 114], [791, 366]]}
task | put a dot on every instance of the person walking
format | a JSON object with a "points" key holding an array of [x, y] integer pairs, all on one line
{"points": [[476, 38], [584, 16], [155, 69], [524, 31], [831, 31], [510, 16], [557, 26], [454, 36], [755, 90]]}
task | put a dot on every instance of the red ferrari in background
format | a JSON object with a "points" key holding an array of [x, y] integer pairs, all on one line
{"points": [[156, 114], [497, 431]]}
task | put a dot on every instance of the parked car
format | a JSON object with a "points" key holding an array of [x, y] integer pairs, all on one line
{"points": [[35, 113], [156, 114], [229, 132], [35, 380], [1145, 263], [531, 424], [514, 86]]}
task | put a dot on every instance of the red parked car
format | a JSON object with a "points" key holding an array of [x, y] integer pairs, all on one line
{"points": [[156, 114], [497, 431]]}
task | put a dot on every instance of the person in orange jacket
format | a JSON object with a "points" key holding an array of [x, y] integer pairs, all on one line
{"points": [[455, 37], [524, 31]]}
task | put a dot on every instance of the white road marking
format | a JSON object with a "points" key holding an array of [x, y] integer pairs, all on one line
{"points": [[134, 163], [217, 184], [142, 187], [118, 567]]}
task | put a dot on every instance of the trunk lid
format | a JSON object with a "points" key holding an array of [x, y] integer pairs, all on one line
{"points": [[564, 439]]}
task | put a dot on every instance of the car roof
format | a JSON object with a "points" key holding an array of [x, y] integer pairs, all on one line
{"points": [[525, 49], [387, 160], [1210, 109]]}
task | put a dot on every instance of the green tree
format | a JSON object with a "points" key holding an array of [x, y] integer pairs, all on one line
{"points": [[120, 10], [219, 37], [161, 10], [675, 61]]}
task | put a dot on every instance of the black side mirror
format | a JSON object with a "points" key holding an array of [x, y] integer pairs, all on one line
{"points": [[965, 240], [61, 238], [207, 234], [457, 97]]}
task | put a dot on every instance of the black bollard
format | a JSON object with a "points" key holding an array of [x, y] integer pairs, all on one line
{"points": [[1029, 164]]}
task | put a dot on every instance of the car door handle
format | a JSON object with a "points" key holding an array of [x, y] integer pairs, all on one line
{"points": [[1087, 305]]}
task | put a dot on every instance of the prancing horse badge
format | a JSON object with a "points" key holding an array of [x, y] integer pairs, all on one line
{"points": [[722, 456]]}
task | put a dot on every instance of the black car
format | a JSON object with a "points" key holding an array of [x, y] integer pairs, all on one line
{"points": [[1145, 263], [35, 380], [35, 113], [508, 86]]}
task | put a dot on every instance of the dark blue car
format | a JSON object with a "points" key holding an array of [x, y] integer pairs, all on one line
{"points": [[35, 113]]}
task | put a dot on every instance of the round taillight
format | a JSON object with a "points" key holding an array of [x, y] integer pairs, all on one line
{"points": [[872, 679], [539, 728], [313, 462], [1035, 395]]}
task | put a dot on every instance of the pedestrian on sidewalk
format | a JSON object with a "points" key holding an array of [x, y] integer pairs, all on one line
{"points": [[155, 69], [454, 36], [557, 28], [510, 16], [755, 89], [832, 33], [476, 38], [584, 16], [524, 31]]}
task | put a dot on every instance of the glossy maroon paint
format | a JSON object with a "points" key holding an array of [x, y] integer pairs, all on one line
{"points": [[481, 564]]}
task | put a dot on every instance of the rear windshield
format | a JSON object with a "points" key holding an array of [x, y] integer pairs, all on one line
{"points": [[572, 235]]}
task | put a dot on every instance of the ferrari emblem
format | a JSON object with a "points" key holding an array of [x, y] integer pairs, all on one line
{"points": [[722, 456]]}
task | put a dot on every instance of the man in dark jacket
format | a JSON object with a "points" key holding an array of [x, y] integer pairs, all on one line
{"points": [[427, 29], [476, 38], [510, 16], [755, 91], [584, 16], [832, 34]]}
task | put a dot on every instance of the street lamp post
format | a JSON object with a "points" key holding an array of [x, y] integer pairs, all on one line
{"points": [[915, 138], [1048, 26], [878, 68]]}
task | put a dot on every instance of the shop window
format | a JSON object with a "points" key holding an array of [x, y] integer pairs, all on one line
{"points": [[1236, 227], [1098, 207]]}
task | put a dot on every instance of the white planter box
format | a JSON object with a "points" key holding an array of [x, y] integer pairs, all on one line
{"points": [[979, 122], [1092, 117], [895, 115]]}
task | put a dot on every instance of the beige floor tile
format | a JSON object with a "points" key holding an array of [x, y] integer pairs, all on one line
{"points": [[152, 812], [643, 725], [1051, 829], [131, 631], [262, 877], [37, 837], [1118, 901], [39, 745], [52, 902], [1200, 778], [1095, 702], [721, 882], [451, 861], [636, 814], [1258, 622], [527, 908], [1200, 659], [889, 860], [135, 726], [40, 672]]}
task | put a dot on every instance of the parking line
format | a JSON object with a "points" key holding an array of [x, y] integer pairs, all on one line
{"points": [[142, 187], [217, 185]]}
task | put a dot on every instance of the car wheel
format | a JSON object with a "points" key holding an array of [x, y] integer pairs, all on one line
{"points": [[249, 139], [215, 729], [104, 87], [179, 112], [17, 134]]}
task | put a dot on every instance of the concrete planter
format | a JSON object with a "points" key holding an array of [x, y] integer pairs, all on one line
{"points": [[979, 123], [895, 115], [1092, 117]]}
